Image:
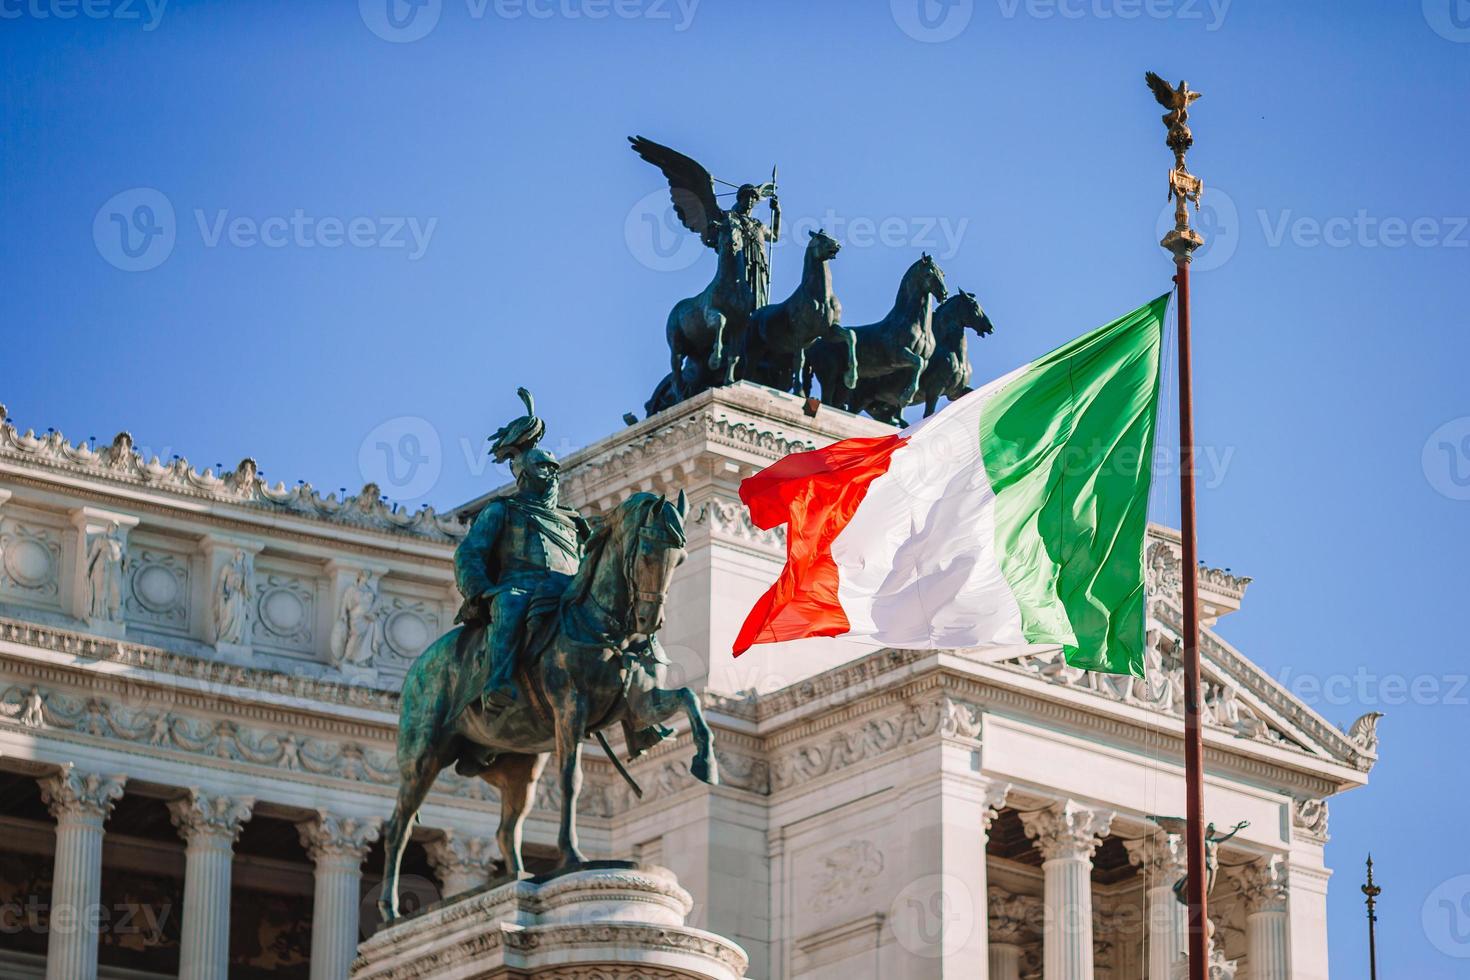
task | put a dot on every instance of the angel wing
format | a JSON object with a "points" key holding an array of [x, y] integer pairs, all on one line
{"points": [[690, 185]]}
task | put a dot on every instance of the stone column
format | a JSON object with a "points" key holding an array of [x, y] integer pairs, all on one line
{"points": [[938, 916], [81, 803], [1067, 834], [209, 825], [1263, 886], [336, 846], [1015, 920], [1163, 860], [462, 863]]}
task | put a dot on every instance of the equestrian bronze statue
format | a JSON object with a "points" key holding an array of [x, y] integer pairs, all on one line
{"points": [[901, 343], [948, 372], [710, 326], [780, 334], [556, 643]]}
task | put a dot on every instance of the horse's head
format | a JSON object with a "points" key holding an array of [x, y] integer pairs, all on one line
{"points": [[822, 247], [930, 277], [968, 313], [654, 551], [729, 239]]}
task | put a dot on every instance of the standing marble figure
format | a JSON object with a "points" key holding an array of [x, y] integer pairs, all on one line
{"points": [[357, 617], [232, 601], [105, 566]]}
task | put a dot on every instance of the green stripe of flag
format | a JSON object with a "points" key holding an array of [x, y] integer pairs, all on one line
{"points": [[1068, 447]]}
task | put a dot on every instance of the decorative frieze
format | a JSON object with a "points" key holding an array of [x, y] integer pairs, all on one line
{"points": [[875, 736]]}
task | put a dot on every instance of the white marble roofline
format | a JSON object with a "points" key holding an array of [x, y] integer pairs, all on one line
{"points": [[798, 711], [241, 494]]}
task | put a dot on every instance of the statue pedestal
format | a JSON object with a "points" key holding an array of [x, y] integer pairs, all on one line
{"points": [[611, 923]]}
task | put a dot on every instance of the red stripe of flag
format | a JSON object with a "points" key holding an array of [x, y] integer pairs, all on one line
{"points": [[814, 494]]}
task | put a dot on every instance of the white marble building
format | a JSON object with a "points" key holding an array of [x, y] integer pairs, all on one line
{"points": [[197, 711]]}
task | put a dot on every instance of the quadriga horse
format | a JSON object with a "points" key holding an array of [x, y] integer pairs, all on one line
{"points": [[903, 341], [779, 334], [709, 327], [590, 665], [948, 371]]}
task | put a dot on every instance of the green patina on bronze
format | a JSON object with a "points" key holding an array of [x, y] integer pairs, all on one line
{"points": [[556, 642]]}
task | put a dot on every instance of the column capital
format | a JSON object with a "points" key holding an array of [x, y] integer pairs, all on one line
{"points": [[1263, 884], [74, 795], [331, 838], [1161, 857], [1014, 919], [201, 816], [1067, 830], [452, 856], [995, 798]]}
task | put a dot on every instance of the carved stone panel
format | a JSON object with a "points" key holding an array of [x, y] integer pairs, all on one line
{"points": [[30, 562], [158, 589], [285, 608]]}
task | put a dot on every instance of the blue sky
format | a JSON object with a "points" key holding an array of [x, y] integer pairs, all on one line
{"points": [[373, 239]]}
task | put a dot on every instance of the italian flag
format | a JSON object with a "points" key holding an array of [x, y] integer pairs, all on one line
{"points": [[1014, 516]]}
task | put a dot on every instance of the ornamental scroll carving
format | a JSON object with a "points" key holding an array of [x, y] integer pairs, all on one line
{"points": [[120, 461]]}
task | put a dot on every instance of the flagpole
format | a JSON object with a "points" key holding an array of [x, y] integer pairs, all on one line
{"points": [[1181, 243]]}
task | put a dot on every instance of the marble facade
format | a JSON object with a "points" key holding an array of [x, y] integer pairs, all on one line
{"points": [[198, 678]]}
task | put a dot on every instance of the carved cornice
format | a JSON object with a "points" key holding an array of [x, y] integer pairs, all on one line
{"points": [[72, 795], [204, 816], [120, 463]]}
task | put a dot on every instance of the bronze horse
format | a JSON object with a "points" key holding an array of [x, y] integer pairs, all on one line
{"points": [[903, 341], [779, 334], [948, 372], [590, 663], [710, 326]]}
